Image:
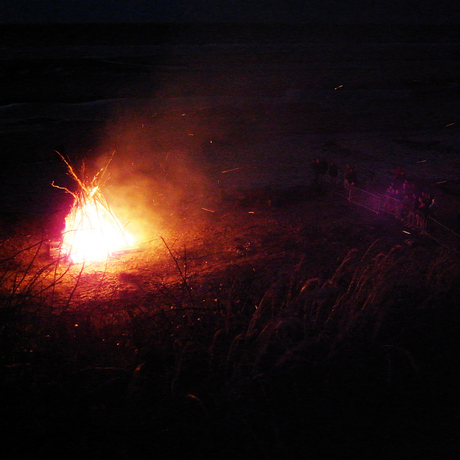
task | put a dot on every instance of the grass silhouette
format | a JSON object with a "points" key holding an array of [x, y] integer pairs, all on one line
{"points": [[247, 363]]}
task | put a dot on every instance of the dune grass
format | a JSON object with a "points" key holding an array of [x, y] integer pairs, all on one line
{"points": [[246, 364]]}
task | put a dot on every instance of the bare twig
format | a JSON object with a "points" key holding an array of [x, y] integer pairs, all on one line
{"points": [[183, 274]]}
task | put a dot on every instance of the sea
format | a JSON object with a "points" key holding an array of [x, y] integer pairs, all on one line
{"points": [[243, 95]]}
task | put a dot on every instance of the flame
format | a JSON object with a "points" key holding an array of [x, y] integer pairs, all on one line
{"points": [[92, 231]]}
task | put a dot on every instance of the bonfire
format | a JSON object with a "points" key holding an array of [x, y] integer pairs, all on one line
{"points": [[92, 231]]}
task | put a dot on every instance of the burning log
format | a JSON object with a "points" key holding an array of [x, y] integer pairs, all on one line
{"points": [[92, 231]]}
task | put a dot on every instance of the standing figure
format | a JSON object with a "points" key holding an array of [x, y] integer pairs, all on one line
{"points": [[333, 173], [319, 168], [349, 177], [399, 178], [322, 169], [316, 173]]}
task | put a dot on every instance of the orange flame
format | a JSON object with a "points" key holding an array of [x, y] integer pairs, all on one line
{"points": [[92, 231]]}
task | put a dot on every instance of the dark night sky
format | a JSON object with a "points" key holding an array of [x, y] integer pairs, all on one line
{"points": [[284, 11]]}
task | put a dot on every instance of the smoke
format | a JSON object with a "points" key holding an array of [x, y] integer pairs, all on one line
{"points": [[172, 144], [158, 176]]}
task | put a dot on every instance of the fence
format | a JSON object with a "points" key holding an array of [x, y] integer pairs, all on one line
{"points": [[442, 234], [365, 199], [392, 206], [405, 213]]}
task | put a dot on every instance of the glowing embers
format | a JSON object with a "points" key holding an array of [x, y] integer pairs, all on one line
{"points": [[92, 231]]}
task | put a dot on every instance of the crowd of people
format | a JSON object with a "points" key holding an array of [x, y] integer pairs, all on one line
{"points": [[327, 172], [401, 198], [416, 205]]}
